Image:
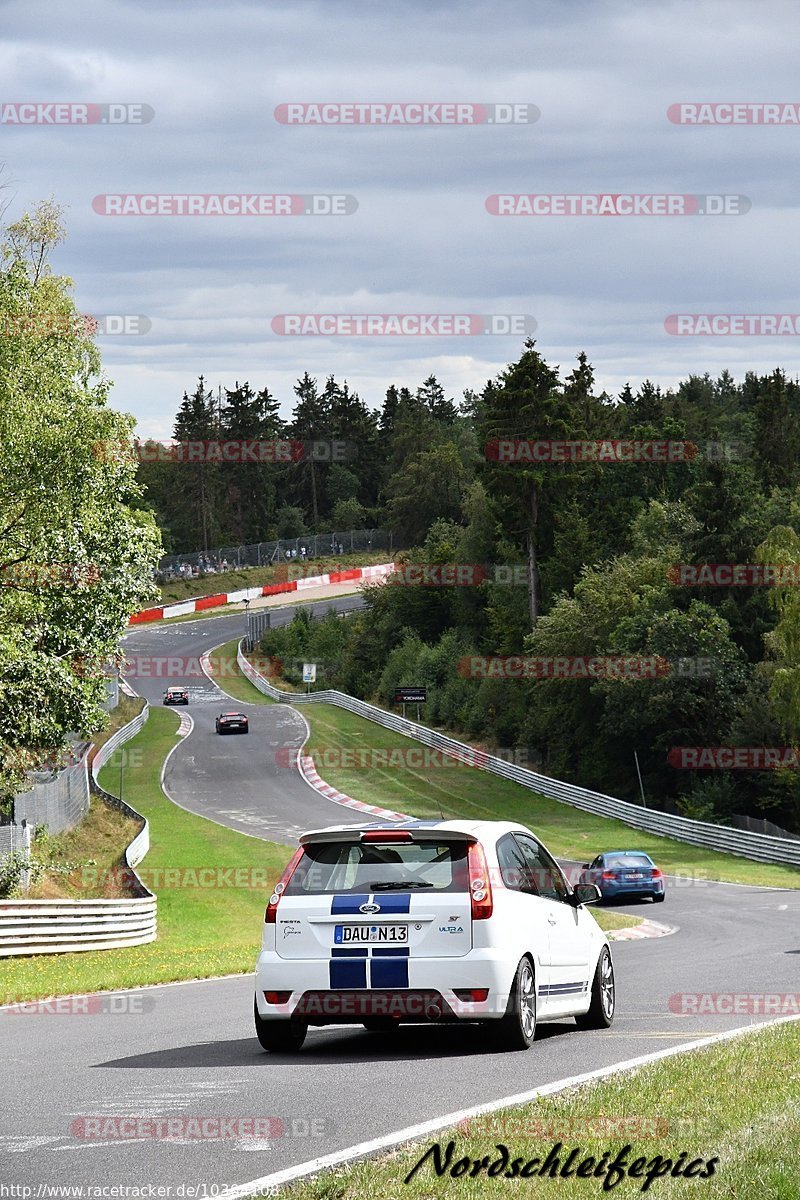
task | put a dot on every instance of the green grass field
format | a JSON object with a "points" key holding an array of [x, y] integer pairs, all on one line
{"points": [[233, 581], [202, 930], [227, 609], [449, 789], [737, 1102]]}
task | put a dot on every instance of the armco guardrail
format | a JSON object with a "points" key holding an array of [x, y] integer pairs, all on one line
{"points": [[141, 843], [64, 926], [759, 846]]}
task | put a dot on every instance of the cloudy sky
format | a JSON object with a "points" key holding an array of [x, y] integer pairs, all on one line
{"points": [[421, 241]]}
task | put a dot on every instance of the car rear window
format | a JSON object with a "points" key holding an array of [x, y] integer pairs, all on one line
{"points": [[628, 860], [342, 867]]}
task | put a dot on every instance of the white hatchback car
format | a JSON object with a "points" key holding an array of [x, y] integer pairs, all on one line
{"points": [[429, 921]]}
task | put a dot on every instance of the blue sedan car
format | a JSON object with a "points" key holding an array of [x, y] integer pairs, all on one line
{"points": [[624, 873]]}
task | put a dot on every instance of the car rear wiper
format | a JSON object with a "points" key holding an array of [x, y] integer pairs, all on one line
{"points": [[396, 885]]}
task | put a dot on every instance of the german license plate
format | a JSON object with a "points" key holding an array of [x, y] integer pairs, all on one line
{"points": [[634, 875], [347, 934]]}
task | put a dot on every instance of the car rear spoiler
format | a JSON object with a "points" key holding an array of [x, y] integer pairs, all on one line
{"points": [[355, 833]]}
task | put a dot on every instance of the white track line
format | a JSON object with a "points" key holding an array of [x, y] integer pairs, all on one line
{"points": [[701, 881], [181, 733], [412, 1132]]}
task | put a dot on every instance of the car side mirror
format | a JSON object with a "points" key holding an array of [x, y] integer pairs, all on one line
{"points": [[584, 866], [586, 893]]}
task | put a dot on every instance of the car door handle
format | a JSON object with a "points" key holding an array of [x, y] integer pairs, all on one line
{"points": [[552, 921]]}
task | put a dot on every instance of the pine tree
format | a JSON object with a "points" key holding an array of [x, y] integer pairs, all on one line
{"points": [[528, 403], [197, 421], [309, 424], [250, 486]]}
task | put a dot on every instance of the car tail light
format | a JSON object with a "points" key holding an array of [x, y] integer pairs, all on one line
{"points": [[655, 873], [608, 875], [473, 995], [480, 887], [386, 835], [277, 997], [280, 886]]}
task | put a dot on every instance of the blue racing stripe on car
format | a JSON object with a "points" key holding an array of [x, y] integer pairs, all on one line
{"points": [[348, 972], [347, 904], [562, 989], [399, 902], [359, 952], [390, 952], [389, 972]]}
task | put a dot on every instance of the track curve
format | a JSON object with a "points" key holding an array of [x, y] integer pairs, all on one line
{"points": [[193, 1053]]}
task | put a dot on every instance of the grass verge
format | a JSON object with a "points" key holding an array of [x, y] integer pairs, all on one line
{"points": [[208, 924], [85, 863], [96, 845], [224, 669], [464, 791], [453, 790], [233, 581], [226, 610], [737, 1102]]}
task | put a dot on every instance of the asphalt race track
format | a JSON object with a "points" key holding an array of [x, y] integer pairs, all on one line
{"points": [[238, 780], [191, 1052]]}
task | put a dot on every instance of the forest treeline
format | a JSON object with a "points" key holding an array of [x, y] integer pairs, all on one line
{"points": [[335, 464], [581, 560]]}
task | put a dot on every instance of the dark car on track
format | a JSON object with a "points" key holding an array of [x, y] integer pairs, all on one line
{"points": [[232, 722], [176, 695], [624, 873]]}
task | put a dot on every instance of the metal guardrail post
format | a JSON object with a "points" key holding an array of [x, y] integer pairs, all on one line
{"points": [[33, 927], [758, 846]]}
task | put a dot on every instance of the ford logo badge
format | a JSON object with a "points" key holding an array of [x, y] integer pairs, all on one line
{"points": [[369, 908]]}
